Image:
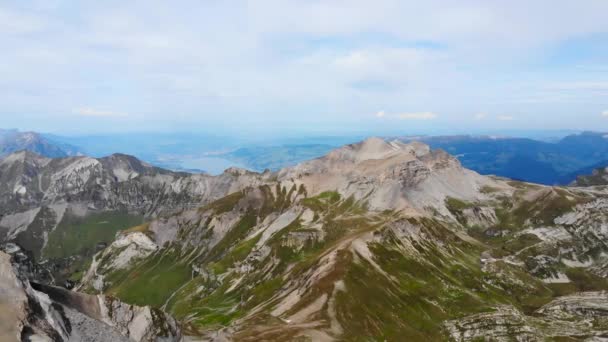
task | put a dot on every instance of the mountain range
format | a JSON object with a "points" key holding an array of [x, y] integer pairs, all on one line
{"points": [[556, 162], [526, 159], [377, 240], [551, 163]]}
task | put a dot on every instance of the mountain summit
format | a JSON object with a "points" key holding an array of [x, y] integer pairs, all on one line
{"points": [[390, 175]]}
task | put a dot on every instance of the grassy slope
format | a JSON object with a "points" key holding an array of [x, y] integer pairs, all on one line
{"points": [[441, 280], [79, 235], [153, 281]]}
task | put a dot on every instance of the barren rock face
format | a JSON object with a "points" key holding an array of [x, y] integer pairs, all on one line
{"points": [[393, 175], [580, 315], [27, 313], [504, 324], [46, 313], [29, 181]]}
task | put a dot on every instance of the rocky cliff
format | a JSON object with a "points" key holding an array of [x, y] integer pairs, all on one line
{"points": [[37, 312]]}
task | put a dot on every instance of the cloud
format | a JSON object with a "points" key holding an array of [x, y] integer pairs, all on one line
{"points": [[92, 112], [416, 116], [605, 113], [480, 116], [407, 116], [505, 118], [584, 86], [308, 56]]}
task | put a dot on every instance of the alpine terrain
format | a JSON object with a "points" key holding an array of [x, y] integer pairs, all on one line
{"points": [[379, 240]]}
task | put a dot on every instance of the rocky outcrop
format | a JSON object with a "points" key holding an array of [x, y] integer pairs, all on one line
{"points": [[585, 305], [135, 322], [504, 324], [479, 216], [27, 314], [581, 316], [122, 253], [40, 312]]}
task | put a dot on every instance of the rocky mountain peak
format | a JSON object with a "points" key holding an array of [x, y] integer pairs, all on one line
{"points": [[391, 174], [376, 148]]}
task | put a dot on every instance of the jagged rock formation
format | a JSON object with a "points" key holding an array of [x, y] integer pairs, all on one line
{"points": [[46, 313], [580, 316], [375, 241], [30, 181]]}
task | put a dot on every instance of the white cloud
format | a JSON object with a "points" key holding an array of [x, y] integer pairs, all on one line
{"points": [[584, 86], [416, 116], [605, 113], [505, 118], [480, 116], [92, 112], [407, 116], [309, 56]]}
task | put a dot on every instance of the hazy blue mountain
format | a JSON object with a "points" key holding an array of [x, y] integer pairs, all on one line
{"points": [[526, 159], [13, 140], [198, 152], [539, 160]]}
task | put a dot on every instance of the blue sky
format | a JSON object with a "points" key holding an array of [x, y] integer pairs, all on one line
{"points": [[262, 66]]}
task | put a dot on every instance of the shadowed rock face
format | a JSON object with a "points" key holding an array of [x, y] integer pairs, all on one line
{"points": [[27, 314], [34, 312]]}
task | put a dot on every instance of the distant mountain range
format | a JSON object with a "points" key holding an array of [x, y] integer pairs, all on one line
{"points": [[14, 140], [526, 159], [550, 163]]}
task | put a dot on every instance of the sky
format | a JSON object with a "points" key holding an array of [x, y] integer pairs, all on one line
{"points": [[269, 66]]}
